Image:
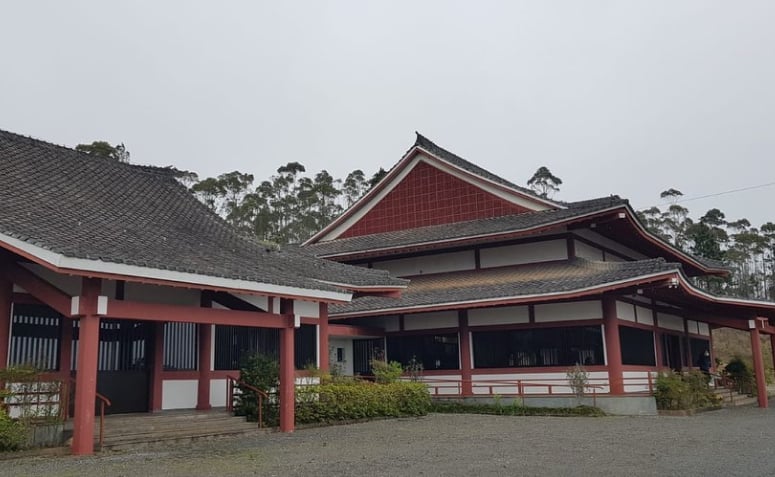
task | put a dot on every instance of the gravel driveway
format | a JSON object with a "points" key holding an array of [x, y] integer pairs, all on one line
{"points": [[720, 443]]}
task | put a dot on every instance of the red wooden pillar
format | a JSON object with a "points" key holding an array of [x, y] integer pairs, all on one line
{"points": [[66, 349], [157, 367], [758, 366], [465, 354], [324, 363], [287, 369], [86, 377], [203, 387], [772, 347], [6, 302], [613, 347]]}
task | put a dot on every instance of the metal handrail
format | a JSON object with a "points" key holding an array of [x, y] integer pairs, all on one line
{"points": [[231, 382], [104, 401]]}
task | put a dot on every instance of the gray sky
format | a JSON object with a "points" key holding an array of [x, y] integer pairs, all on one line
{"points": [[616, 97]]}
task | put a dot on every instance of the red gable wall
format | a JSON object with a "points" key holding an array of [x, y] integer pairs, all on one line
{"points": [[429, 196]]}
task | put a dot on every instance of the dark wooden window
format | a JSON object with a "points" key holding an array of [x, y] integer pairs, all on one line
{"points": [[637, 346], [538, 347], [434, 351], [234, 343], [35, 332]]}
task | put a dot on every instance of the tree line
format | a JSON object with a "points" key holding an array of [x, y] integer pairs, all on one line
{"points": [[290, 206]]}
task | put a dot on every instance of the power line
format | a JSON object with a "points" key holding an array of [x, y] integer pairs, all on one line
{"points": [[732, 191]]}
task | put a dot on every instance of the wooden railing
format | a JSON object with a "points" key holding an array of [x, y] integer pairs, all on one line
{"points": [[104, 402], [231, 383]]}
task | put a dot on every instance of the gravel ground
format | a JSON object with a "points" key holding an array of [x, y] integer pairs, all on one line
{"points": [[720, 443]]}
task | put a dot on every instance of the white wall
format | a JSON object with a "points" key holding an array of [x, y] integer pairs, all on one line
{"points": [[218, 392], [427, 321], [670, 322], [584, 250], [310, 309], [578, 310], [634, 313], [438, 263], [347, 345], [607, 243], [535, 383], [179, 393], [504, 315], [524, 253]]}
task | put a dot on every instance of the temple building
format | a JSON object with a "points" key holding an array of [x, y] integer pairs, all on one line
{"points": [[509, 289]]}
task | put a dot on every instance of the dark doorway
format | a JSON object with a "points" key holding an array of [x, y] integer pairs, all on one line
{"points": [[671, 351], [363, 352], [123, 373]]}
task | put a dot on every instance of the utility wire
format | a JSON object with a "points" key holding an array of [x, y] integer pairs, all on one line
{"points": [[742, 189]]}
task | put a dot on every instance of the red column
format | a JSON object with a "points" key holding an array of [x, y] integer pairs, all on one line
{"points": [[613, 346], [203, 387], [758, 366], [157, 368], [66, 349], [86, 376], [287, 370], [772, 347], [465, 354], [6, 299], [324, 363]]}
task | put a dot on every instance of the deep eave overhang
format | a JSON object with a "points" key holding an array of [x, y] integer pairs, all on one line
{"points": [[62, 264], [396, 170], [670, 278]]}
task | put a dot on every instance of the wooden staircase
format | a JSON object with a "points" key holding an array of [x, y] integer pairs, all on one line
{"points": [[731, 398], [144, 431]]}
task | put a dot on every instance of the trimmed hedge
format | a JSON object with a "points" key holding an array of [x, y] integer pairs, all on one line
{"points": [[13, 433], [676, 391], [514, 410], [338, 402]]}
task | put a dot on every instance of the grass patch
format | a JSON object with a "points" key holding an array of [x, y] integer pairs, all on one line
{"points": [[513, 410]]}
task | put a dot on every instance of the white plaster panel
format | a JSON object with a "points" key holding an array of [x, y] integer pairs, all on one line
{"points": [[703, 328], [276, 306], [595, 237], [670, 322], [645, 315], [625, 311], [261, 302], [218, 392], [504, 315], [692, 327], [310, 309], [584, 250], [524, 253], [437, 263], [347, 346], [578, 310], [178, 394], [160, 294], [443, 385], [427, 321], [533, 383]]}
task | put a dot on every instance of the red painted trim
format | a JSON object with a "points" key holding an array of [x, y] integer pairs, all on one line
{"points": [[347, 330], [134, 310], [203, 381], [26, 299], [181, 375], [287, 370], [477, 258], [464, 342], [533, 370], [758, 366], [613, 346], [571, 244], [431, 331], [65, 348], [324, 332], [632, 324], [37, 287], [86, 378], [6, 302], [531, 314], [532, 326], [157, 368]]}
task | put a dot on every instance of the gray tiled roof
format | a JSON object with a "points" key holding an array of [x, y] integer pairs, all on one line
{"points": [[506, 282], [460, 230], [93, 208]]}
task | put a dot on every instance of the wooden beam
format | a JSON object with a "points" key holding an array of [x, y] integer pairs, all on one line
{"points": [[132, 310], [347, 330], [38, 288]]}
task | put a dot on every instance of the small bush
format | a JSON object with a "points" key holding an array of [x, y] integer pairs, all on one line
{"points": [[262, 372], [384, 372], [740, 373], [13, 433], [675, 391], [360, 400]]}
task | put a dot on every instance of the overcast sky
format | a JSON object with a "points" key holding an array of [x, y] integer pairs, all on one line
{"points": [[615, 97]]}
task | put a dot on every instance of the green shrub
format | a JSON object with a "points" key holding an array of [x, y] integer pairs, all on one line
{"points": [[676, 391], [13, 433], [513, 409], [384, 372], [740, 373], [360, 400], [262, 372]]}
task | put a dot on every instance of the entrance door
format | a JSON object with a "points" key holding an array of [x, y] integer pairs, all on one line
{"points": [[363, 352], [123, 374], [671, 349]]}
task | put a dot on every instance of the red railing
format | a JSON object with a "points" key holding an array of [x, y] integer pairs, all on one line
{"points": [[231, 383], [104, 402]]}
